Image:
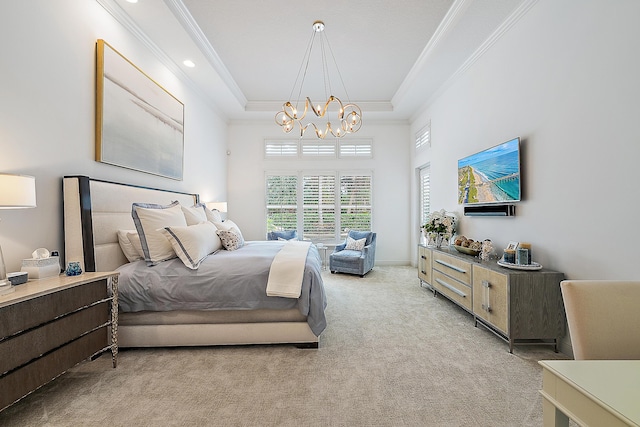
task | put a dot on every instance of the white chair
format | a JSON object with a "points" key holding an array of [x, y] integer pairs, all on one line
{"points": [[603, 318]]}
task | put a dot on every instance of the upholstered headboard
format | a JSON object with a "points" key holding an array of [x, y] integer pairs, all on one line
{"points": [[94, 211]]}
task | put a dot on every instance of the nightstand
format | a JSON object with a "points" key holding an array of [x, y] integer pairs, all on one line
{"points": [[49, 325]]}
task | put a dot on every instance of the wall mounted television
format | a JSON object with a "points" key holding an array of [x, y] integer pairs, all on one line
{"points": [[491, 176]]}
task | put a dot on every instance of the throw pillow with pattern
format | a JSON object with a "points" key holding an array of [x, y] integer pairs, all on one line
{"points": [[355, 245], [230, 239]]}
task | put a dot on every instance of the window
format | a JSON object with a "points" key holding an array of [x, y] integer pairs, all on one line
{"points": [[321, 206], [355, 203], [282, 202], [425, 193], [345, 148], [280, 149], [423, 136]]}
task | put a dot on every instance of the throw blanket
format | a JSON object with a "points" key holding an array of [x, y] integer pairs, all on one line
{"points": [[287, 270]]}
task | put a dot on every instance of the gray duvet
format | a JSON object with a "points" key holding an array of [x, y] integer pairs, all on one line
{"points": [[226, 280]]}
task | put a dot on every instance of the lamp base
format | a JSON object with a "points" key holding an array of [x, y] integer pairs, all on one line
{"points": [[6, 287]]}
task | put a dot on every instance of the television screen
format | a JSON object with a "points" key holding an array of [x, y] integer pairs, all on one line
{"points": [[490, 176]]}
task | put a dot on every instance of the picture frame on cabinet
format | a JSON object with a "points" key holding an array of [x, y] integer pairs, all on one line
{"points": [[139, 124], [512, 245]]}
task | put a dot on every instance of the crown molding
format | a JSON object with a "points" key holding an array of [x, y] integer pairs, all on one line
{"points": [[194, 31], [511, 20], [125, 20]]}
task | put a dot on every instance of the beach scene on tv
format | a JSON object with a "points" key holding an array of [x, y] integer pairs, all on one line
{"points": [[490, 176]]}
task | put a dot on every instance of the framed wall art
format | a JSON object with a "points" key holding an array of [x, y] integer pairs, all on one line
{"points": [[139, 125]]}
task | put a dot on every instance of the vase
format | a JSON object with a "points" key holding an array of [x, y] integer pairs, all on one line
{"points": [[439, 239]]}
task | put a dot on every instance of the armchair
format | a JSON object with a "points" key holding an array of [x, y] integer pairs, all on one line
{"points": [[350, 261]]}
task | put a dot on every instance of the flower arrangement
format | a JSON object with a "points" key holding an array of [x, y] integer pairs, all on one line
{"points": [[440, 224]]}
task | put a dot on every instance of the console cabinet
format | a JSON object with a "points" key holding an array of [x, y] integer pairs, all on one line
{"points": [[519, 306], [47, 326]]}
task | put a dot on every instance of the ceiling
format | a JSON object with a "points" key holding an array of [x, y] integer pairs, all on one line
{"points": [[393, 56]]}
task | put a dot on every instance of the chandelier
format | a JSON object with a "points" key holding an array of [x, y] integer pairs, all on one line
{"points": [[348, 117]]}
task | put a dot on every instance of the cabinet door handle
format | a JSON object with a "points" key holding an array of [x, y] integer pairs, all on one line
{"points": [[451, 266], [486, 304], [451, 288]]}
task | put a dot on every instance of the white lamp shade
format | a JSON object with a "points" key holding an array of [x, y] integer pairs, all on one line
{"points": [[220, 206], [17, 191]]}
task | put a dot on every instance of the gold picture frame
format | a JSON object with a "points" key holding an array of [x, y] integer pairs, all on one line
{"points": [[139, 124]]}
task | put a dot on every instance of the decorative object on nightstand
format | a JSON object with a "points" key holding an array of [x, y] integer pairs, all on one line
{"points": [[73, 269], [16, 192], [41, 265]]}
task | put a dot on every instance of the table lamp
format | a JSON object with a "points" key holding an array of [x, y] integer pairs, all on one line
{"points": [[16, 192], [220, 206]]}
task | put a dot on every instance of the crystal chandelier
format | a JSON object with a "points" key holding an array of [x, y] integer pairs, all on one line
{"points": [[348, 117]]}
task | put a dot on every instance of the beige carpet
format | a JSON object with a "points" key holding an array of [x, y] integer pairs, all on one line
{"points": [[392, 355]]}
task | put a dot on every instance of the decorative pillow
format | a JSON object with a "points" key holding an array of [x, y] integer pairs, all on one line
{"points": [[357, 235], [230, 239], [134, 239], [287, 240], [283, 234], [230, 225], [149, 220], [127, 248], [355, 245], [194, 215], [193, 243]]}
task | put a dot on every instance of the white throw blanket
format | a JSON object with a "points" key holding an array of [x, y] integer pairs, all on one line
{"points": [[287, 270]]}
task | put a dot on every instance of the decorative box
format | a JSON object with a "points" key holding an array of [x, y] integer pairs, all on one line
{"points": [[41, 268], [18, 278]]}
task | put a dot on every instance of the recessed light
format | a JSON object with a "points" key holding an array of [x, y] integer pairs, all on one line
{"points": [[132, 1], [189, 63]]}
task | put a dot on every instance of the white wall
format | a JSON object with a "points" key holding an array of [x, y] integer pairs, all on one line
{"points": [[565, 79], [47, 97], [391, 181]]}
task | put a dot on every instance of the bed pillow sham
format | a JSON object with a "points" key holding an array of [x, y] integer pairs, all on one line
{"points": [[150, 219], [193, 243], [194, 214], [127, 247]]}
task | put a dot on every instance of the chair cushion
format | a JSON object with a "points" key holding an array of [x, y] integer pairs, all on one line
{"points": [[357, 235], [347, 253]]}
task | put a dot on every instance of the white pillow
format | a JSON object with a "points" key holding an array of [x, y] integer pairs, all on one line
{"points": [[230, 239], [194, 215], [355, 245], [193, 243], [212, 215], [134, 239], [149, 220], [127, 247], [229, 225]]}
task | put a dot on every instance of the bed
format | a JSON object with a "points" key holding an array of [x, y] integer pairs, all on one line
{"points": [[95, 210]]}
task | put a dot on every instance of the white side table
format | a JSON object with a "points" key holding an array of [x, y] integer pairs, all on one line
{"points": [[322, 248]]}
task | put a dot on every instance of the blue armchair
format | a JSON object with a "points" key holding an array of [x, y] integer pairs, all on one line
{"points": [[351, 261], [282, 234]]}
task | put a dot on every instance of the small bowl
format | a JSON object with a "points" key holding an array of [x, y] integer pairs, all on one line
{"points": [[467, 251]]}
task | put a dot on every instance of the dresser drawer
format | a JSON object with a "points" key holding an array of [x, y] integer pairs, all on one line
{"points": [[424, 264], [453, 267], [453, 289]]}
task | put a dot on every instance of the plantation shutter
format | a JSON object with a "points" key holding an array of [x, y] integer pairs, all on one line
{"points": [[319, 207], [425, 193], [282, 202], [423, 136], [280, 149], [355, 203]]}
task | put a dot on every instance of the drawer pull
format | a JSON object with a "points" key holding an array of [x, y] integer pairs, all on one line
{"points": [[423, 257], [423, 272], [451, 288], [451, 266], [486, 305]]}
